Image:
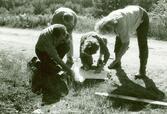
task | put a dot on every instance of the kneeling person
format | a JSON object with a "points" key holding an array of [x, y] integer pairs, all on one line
{"points": [[51, 47], [89, 45]]}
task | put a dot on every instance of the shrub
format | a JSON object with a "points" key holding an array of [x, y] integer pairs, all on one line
{"points": [[25, 20], [158, 23], [104, 7], [3, 10]]}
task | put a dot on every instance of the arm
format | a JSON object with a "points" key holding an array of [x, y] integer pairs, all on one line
{"points": [[70, 53], [124, 47], [103, 50], [123, 32], [54, 55], [122, 51]]}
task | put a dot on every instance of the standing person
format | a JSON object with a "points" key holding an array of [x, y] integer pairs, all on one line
{"points": [[124, 22], [68, 18], [90, 43], [51, 47]]}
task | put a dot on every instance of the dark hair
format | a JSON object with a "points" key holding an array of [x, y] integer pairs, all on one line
{"points": [[58, 31], [91, 47]]}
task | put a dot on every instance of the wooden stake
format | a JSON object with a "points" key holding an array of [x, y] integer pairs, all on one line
{"points": [[132, 98]]}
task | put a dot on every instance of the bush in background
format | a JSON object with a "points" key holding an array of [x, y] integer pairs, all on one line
{"points": [[104, 7], [158, 23], [25, 20]]}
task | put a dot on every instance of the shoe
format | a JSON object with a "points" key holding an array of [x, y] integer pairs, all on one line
{"points": [[118, 65], [140, 76]]}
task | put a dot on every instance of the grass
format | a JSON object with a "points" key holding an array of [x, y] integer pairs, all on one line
{"points": [[15, 92], [16, 95]]}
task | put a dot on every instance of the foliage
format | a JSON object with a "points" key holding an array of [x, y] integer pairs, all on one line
{"points": [[38, 13], [25, 20], [104, 7], [158, 23]]}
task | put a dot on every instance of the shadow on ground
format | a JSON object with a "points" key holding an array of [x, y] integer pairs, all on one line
{"points": [[129, 88]]}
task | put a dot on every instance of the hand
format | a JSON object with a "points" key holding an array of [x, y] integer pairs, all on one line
{"points": [[69, 62], [99, 63], [98, 70], [71, 73], [140, 76], [70, 78], [85, 67]]}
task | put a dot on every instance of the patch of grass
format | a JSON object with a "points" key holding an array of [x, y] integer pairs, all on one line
{"points": [[16, 95], [15, 92]]}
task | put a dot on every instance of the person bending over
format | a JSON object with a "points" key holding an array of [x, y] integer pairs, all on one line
{"points": [[123, 23], [68, 18], [90, 43], [52, 46]]}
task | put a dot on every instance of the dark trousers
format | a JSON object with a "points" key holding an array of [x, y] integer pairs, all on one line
{"points": [[53, 87], [142, 31]]}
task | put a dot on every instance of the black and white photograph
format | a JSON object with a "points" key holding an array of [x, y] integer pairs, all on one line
{"points": [[83, 56]]}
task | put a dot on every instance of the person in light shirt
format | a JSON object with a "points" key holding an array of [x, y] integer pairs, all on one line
{"points": [[68, 18], [124, 22]]}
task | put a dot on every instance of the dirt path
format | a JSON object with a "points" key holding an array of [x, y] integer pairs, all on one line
{"points": [[23, 41]]}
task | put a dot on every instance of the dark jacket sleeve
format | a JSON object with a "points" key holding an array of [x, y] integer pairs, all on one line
{"points": [[52, 52]]}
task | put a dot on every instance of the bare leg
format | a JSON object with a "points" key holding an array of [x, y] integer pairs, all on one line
{"points": [[142, 31]]}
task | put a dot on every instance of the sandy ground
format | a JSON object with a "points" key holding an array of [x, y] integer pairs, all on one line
{"points": [[23, 41]]}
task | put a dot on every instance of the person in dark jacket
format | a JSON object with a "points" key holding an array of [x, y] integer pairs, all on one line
{"points": [[51, 47]]}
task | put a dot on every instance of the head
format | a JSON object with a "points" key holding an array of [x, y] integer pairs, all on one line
{"points": [[60, 33], [91, 47], [105, 26], [68, 19]]}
